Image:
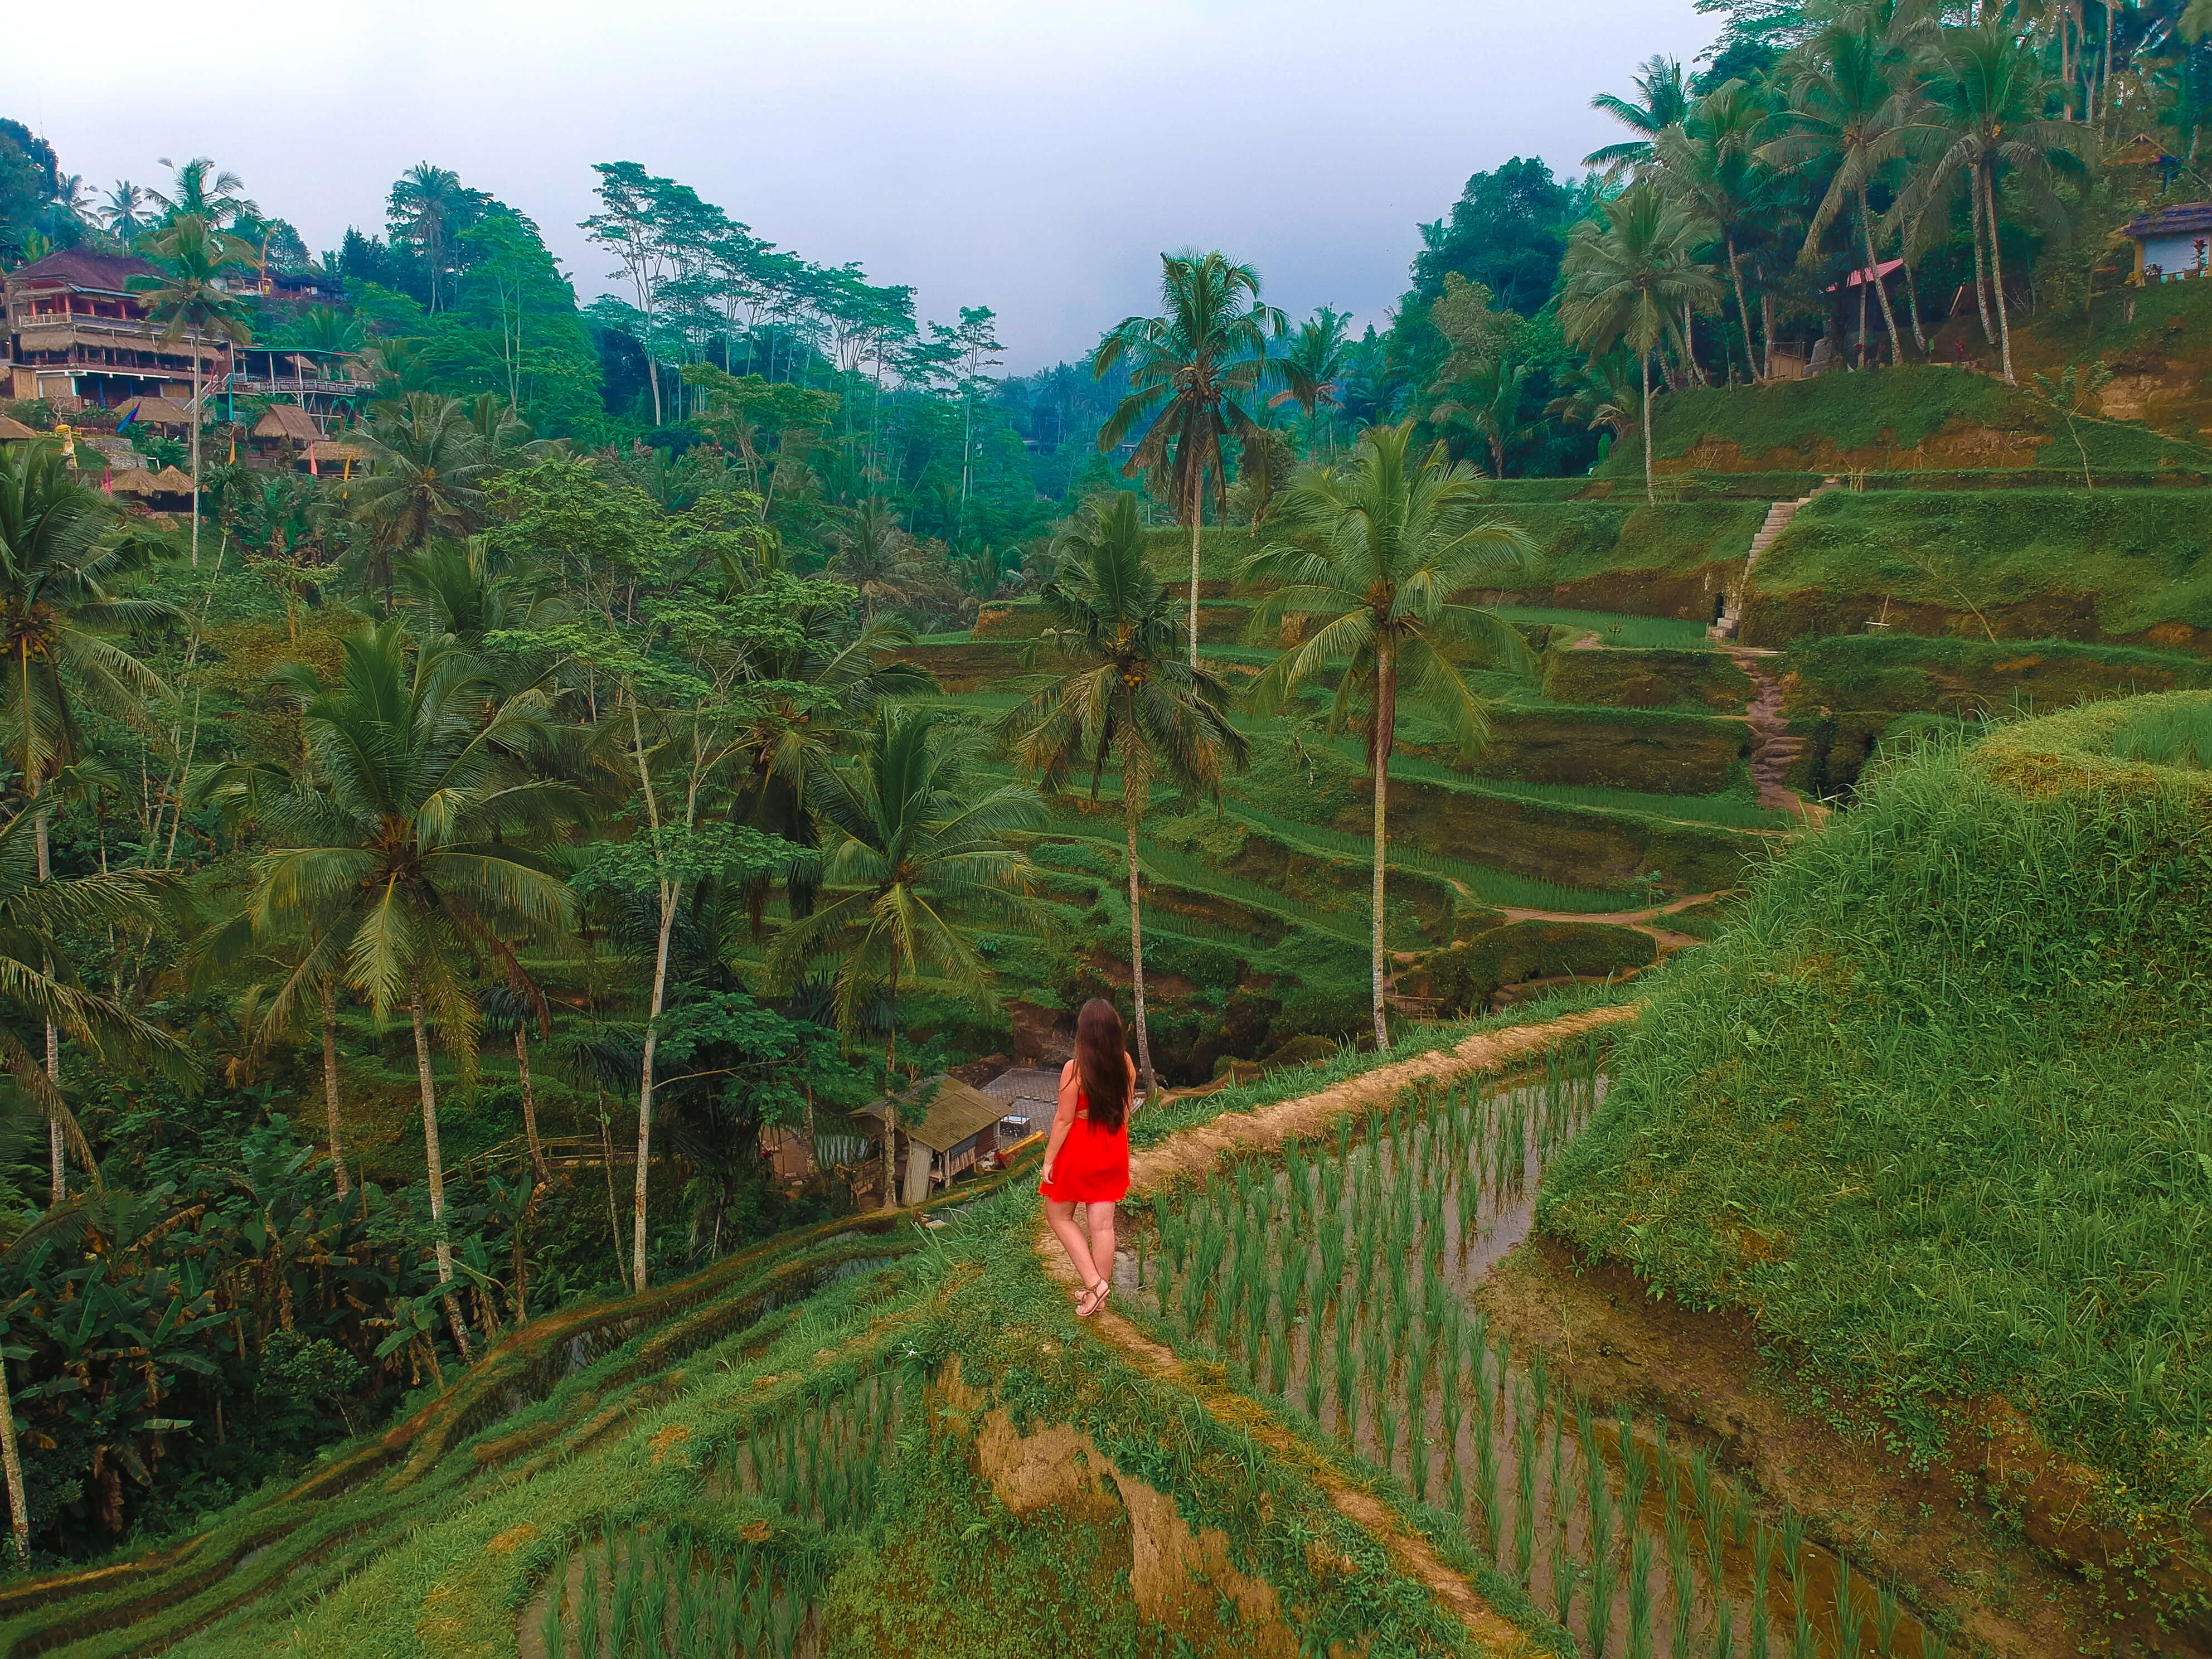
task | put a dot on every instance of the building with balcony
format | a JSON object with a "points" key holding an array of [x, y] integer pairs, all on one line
{"points": [[79, 336]]}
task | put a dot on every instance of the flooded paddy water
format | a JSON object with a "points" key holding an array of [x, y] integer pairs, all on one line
{"points": [[1335, 1285]]}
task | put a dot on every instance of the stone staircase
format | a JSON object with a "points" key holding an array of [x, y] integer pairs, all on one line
{"points": [[1778, 516]]}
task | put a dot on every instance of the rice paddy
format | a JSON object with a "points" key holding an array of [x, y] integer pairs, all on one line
{"points": [[1334, 1288]]}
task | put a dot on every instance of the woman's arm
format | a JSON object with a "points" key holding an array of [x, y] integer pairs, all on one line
{"points": [[1063, 1118]]}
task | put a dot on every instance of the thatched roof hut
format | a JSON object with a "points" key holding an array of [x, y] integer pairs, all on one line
{"points": [[156, 411], [13, 431], [290, 423]]}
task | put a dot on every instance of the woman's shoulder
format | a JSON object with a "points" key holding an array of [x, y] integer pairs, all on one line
{"points": [[1068, 1071]]}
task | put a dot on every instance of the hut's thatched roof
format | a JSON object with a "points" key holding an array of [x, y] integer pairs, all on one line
{"points": [[171, 481], [156, 411], [288, 421], [13, 431]]}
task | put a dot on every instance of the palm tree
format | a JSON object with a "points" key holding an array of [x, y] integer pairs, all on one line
{"points": [[188, 299], [406, 838], [65, 555], [1849, 117], [1602, 393], [427, 204], [197, 191], [1662, 99], [872, 548], [1313, 365], [1989, 94], [429, 466], [1708, 163], [1191, 364], [1629, 277], [1375, 553], [1125, 699], [125, 213], [921, 851], [1488, 405]]}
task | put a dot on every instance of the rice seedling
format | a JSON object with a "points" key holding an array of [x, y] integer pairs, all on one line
{"points": [[1635, 1472], [1793, 1556], [587, 1610], [1681, 1578], [1723, 1634], [1888, 1612], [1715, 1520], [1598, 1614], [1847, 1611], [1802, 1644], [1762, 1569], [551, 1635], [1639, 1598], [1524, 1485], [1565, 1574], [1932, 1642], [1742, 1517], [1486, 1494], [1344, 1369], [1388, 1413], [1279, 1359], [624, 1602]]}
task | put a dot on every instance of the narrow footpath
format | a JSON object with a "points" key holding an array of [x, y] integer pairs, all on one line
{"points": [[1774, 751]]}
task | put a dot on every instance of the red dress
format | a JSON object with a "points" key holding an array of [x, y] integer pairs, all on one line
{"points": [[1093, 1165]]}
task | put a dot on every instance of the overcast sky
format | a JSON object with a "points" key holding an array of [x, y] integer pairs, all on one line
{"points": [[1031, 155]]}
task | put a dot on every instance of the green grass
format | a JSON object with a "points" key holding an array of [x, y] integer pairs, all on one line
{"points": [[1731, 811], [1948, 1065], [1893, 410], [1614, 628], [1493, 886], [2131, 558]]}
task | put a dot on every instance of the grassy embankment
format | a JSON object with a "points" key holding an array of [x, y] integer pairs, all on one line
{"points": [[1936, 1112]]}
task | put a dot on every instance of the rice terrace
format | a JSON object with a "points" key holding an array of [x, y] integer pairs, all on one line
{"points": [[977, 910]]}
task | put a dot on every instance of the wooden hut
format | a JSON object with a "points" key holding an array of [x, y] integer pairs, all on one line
{"points": [[13, 431], [171, 489], [959, 1131], [156, 411]]}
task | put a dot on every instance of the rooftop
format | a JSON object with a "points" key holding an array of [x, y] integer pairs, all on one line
{"points": [[955, 1113], [78, 267], [2182, 217]]}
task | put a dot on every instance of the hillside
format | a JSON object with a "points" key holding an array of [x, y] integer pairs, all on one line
{"points": [[1932, 1113]]}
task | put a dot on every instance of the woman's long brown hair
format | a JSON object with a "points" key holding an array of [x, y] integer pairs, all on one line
{"points": [[1102, 1061]]}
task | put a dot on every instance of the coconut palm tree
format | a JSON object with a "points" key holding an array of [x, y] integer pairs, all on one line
{"points": [[872, 548], [1126, 697], [186, 297], [427, 205], [123, 212], [1708, 162], [1849, 117], [921, 854], [407, 838], [1488, 404], [198, 191], [1662, 99], [428, 467], [1987, 115], [1602, 392], [1187, 369], [1374, 555], [1312, 366], [66, 559], [1629, 277]]}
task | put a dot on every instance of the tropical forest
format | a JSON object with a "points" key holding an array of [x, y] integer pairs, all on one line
{"points": [[1644, 809]]}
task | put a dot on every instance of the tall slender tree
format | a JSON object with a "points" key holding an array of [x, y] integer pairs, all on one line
{"points": [[1661, 101], [1189, 367], [921, 854], [67, 561], [1372, 557], [409, 836], [1629, 277], [188, 298], [1849, 117], [428, 464], [1125, 698]]}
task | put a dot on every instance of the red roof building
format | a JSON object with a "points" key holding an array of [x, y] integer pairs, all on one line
{"points": [[77, 334]]}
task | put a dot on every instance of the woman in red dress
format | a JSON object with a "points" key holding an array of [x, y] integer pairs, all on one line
{"points": [[1087, 1160]]}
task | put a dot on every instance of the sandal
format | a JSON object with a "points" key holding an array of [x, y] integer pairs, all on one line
{"points": [[1095, 1298]]}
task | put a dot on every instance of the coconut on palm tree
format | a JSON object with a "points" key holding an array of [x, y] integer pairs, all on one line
{"points": [[187, 298], [1127, 699], [1187, 369], [1629, 277], [1373, 557], [408, 838], [922, 855]]}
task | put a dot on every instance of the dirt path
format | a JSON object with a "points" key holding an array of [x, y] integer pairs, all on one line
{"points": [[1774, 751], [1195, 1151]]}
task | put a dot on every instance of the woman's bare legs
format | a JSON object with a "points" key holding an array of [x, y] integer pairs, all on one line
{"points": [[1101, 1218], [1060, 1218]]}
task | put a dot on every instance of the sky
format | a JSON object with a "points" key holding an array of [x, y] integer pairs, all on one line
{"points": [[1032, 156]]}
